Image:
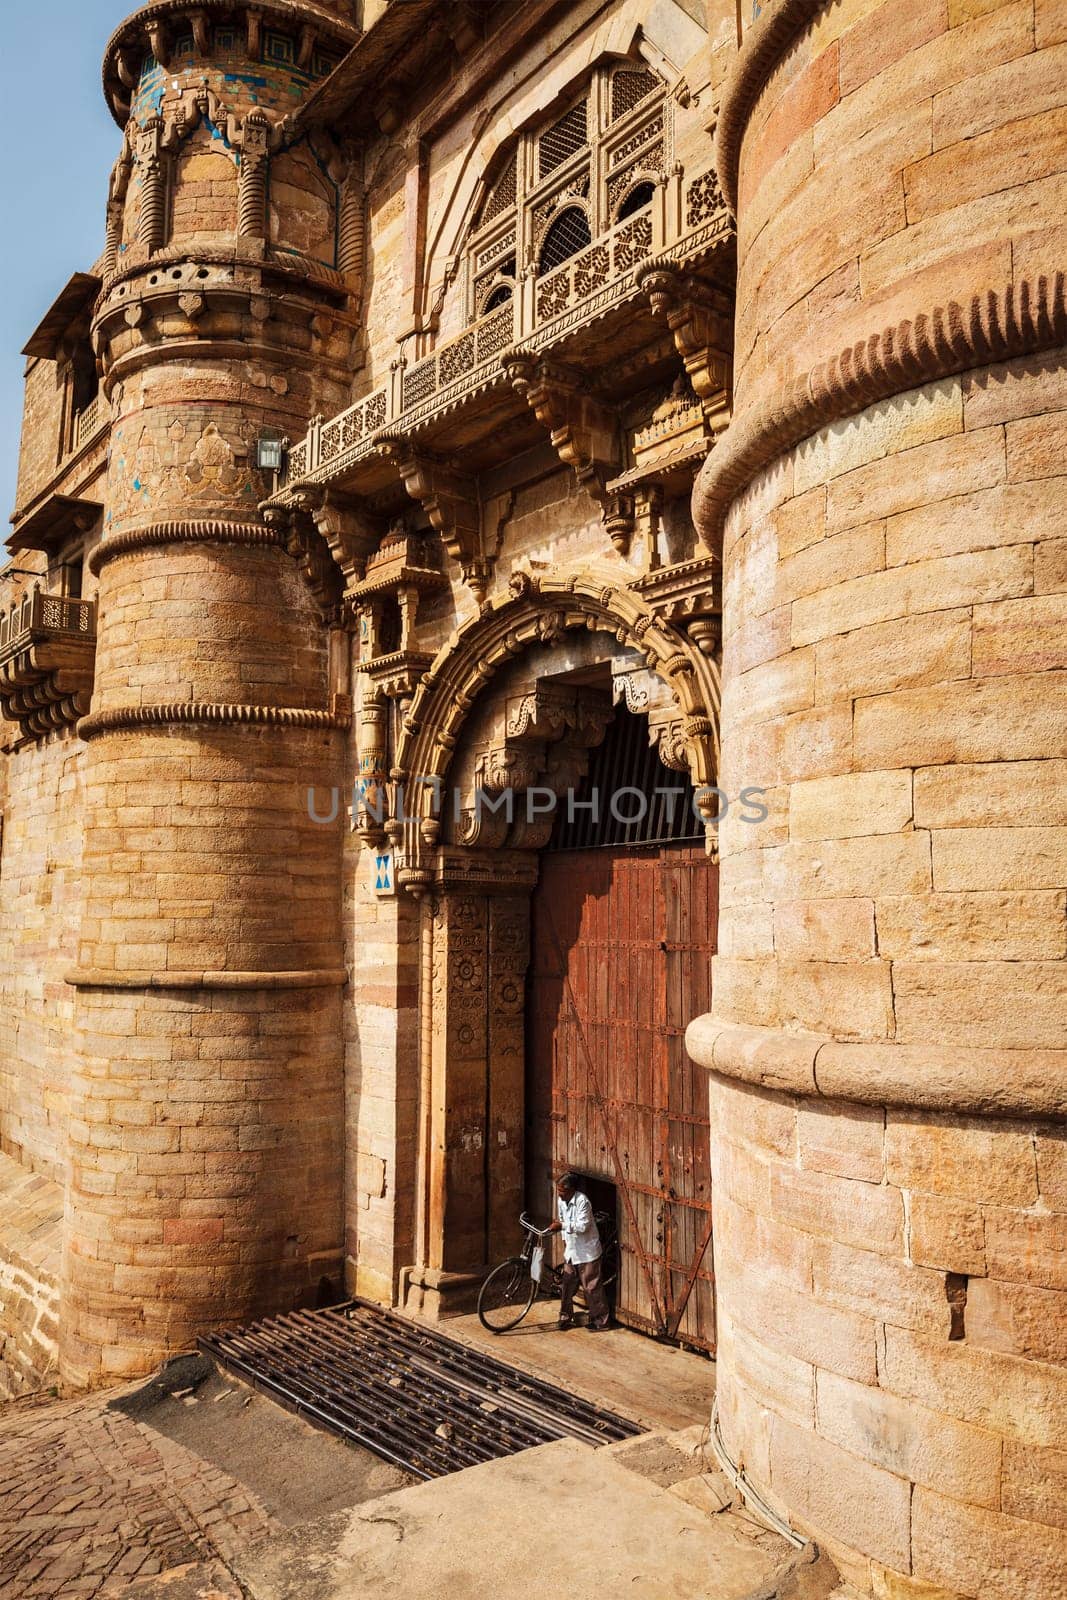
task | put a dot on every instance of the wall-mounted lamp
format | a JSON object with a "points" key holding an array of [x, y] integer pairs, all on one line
{"points": [[270, 453]]}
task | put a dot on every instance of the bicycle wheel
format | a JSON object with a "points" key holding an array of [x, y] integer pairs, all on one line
{"points": [[506, 1295]]}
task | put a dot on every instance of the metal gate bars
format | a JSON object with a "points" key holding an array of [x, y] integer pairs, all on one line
{"points": [[418, 1399]]}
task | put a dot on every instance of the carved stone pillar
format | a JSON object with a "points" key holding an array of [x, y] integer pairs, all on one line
{"points": [[255, 145], [351, 240], [152, 162]]}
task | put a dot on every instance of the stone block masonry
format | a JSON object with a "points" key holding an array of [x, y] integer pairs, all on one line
{"points": [[889, 1064], [31, 1206]]}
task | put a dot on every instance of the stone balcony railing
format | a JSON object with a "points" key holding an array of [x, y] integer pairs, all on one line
{"points": [[47, 653], [541, 312], [89, 421]]}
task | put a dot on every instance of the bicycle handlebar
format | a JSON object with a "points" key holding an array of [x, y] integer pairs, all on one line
{"points": [[531, 1227]]}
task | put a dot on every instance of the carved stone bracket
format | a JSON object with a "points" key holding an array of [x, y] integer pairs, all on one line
{"points": [[299, 536], [451, 501], [350, 532], [47, 655], [584, 432], [544, 743], [701, 319]]}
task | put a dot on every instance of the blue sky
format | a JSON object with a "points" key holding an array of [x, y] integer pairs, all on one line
{"points": [[59, 146]]}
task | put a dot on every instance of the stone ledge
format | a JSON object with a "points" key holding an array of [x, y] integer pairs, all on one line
{"points": [[1001, 323], [120, 719], [305, 978], [763, 46], [971, 1081]]}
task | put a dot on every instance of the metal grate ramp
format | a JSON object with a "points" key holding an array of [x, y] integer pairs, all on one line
{"points": [[410, 1394]]}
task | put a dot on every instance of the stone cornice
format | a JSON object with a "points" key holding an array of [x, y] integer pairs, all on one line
{"points": [[305, 978], [967, 1080], [763, 46], [120, 719], [203, 531], [997, 325]]}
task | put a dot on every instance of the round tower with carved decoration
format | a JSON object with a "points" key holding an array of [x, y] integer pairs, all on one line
{"points": [[205, 1144]]}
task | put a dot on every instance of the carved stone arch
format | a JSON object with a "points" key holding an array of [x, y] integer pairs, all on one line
{"points": [[538, 610]]}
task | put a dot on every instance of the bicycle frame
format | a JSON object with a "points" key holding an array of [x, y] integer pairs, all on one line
{"points": [[536, 1236]]}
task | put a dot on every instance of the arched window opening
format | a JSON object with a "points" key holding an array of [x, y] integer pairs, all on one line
{"points": [[499, 297], [566, 236], [640, 196]]}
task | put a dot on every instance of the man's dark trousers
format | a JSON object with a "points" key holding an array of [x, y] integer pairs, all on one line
{"points": [[590, 1275]]}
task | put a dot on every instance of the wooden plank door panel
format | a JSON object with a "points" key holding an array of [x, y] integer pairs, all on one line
{"points": [[622, 942]]}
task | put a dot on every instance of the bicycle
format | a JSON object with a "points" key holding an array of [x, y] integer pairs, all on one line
{"points": [[511, 1288]]}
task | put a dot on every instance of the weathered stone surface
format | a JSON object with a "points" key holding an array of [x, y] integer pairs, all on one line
{"points": [[986, 1552], [946, 1233], [935, 1157], [910, 1441]]}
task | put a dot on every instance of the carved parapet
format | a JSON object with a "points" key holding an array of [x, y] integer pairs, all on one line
{"points": [[700, 318], [585, 433], [47, 655], [179, 304]]}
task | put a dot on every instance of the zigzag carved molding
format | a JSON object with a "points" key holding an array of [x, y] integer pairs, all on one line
{"points": [[764, 44], [187, 712], [1018, 320], [196, 532]]}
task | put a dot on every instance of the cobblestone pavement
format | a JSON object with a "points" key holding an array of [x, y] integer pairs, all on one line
{"points": [[91, 1501]]}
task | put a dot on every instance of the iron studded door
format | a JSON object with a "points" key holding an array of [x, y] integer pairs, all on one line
{"points": [[621, 962]]}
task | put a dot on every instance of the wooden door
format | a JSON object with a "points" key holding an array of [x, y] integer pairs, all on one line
{"points": [[621, 952]]}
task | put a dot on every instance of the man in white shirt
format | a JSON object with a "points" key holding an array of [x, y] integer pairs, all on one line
{"points": [[582, 1255]]}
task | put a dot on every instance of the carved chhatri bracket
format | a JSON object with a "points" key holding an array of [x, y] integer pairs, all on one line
{"points": [[452, 503], [688, 596], [701, 319], [47, 658], [584, 432]]}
